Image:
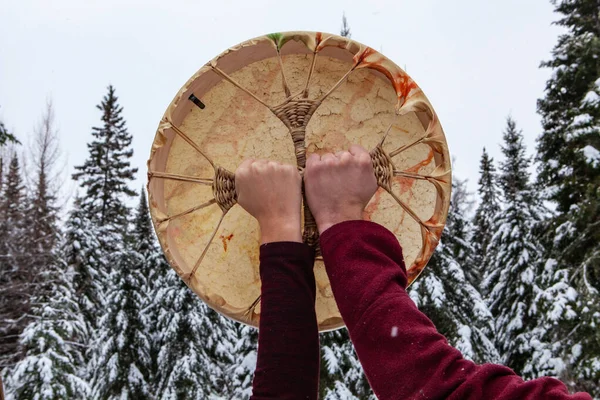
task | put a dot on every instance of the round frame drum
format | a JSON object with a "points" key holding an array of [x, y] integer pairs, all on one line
{"points": [[280, 97]]}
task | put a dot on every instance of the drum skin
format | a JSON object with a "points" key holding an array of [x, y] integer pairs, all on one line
{"points": [[280, 97]]}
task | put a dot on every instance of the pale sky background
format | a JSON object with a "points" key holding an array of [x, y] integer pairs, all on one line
{"points": [[477, 61]]}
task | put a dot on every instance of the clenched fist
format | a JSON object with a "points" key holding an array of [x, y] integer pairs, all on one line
{"points": [[271, 193], [339, 186]]}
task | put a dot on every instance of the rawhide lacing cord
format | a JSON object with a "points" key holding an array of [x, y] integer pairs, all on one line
{"points": [[224, 188]]}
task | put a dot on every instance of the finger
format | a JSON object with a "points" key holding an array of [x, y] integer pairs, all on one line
{"points": [[364, 159], [356, 149], [312, 159], [245, 164], [345, 156], [338, 154], [328, 157]]}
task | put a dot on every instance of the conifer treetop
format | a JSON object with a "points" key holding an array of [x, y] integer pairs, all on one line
{"points": [[106, 173]]}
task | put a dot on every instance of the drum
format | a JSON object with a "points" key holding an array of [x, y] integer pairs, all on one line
{"points": [[279, 97]]}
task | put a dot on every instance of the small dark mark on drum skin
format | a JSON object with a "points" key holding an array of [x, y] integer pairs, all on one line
{"points": [[196, 101]]}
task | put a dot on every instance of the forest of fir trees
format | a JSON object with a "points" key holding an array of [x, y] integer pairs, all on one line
{"points": [[89, 307]]}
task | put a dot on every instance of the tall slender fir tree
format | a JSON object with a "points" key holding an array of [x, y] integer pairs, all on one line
{"points": [[106, 173], [569, 155], [16, 285], [488, 208], [512, 279], [82, 252], [121, 360], [443, 292]]}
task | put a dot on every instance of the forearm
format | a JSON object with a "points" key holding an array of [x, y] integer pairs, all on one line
{"points": [[288, 341], [403, 355]]}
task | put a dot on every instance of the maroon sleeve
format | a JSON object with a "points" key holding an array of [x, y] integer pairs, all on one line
{"points": [[403, 355], [288, 338]]}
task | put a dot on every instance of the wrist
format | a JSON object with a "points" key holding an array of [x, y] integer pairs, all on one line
{"points": [[331, 219], [280, 230]]}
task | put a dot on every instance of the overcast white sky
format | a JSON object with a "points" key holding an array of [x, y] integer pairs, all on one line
{"points": [[476, 60]]}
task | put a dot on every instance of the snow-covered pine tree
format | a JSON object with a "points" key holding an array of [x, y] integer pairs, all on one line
{"points": [[342, 376], [82, 252], [53, 365], [568, 147], [154, 270], [240, 361], [107, 171], [488, 208], [16, 283], [192, 341], [145, 243], [569, 168], [445, 295], [120, 360], [515, 264], [459, 242]]}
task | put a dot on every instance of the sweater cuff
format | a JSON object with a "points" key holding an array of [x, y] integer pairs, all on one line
{"points": [[357, 227], [288, 251]]}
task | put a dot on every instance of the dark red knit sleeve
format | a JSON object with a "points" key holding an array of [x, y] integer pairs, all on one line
{"points": [[288, 339], [403, 355]]}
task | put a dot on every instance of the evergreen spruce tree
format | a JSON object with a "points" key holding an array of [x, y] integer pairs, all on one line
{"points": [[121, 361], [569, 168], [192, 343], [487, 210], [107, 171], [145, 243], [443, 292], [122, 356], [153, 269], [342, 376], [570, 110], [242, 341], [459, 242], [82, 252], [53, 363], [15, 279], [512, 278]]}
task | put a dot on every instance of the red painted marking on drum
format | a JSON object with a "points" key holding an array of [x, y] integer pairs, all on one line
{"points": [[318, 39], [359, 58], [401, 82], [226, 239], [407, 183], [175, 231]]}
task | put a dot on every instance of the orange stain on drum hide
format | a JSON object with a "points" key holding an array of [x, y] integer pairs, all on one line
{"points": [[225, 240], [407, 183], [402, 83]]}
